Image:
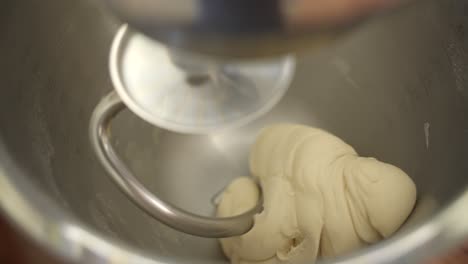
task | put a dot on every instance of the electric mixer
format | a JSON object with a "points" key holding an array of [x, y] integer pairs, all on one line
{"points": [[222, 64]]}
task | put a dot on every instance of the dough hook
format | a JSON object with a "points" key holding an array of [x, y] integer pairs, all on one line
{"points": [[136, 89], [168, 214]]}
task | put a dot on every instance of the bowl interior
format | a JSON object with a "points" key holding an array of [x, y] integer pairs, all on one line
{"points": [[394, 90]]}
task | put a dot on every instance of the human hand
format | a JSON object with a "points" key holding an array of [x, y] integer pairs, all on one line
{"points": [[459, 256], [319, 12]]}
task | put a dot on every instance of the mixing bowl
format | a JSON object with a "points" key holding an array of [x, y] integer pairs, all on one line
{"points": [[395, 88]]}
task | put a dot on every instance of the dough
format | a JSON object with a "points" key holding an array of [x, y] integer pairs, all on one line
{"points": [[320, 198]]}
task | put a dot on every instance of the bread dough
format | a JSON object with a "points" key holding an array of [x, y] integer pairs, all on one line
{"points": [[320, 198]]}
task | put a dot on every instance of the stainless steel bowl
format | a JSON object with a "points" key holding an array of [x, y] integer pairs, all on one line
{"points": [[395, 89]]}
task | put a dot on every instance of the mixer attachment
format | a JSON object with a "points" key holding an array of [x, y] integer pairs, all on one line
{"points": [[185, 93]]}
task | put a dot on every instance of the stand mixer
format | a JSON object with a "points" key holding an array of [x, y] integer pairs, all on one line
{"points": [[199, 66]]}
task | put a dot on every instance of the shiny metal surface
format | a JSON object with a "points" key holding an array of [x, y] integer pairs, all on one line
{"points": [[395, 89], [246, 28], [162, 211], [189, 93]]}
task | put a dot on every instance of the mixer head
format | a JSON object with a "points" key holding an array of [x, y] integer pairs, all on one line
{"points": [[244, 68], [245, 28]]}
